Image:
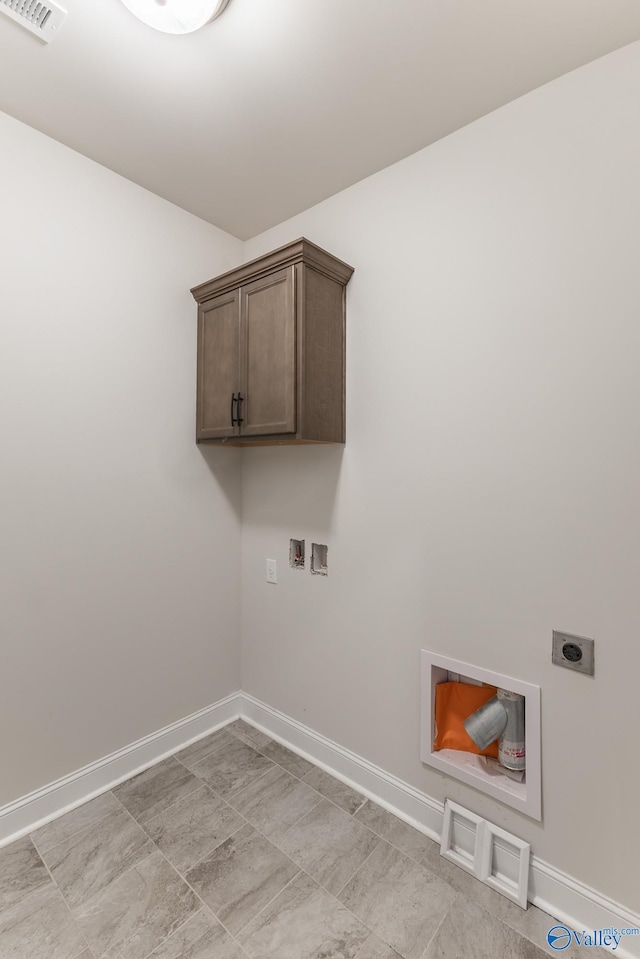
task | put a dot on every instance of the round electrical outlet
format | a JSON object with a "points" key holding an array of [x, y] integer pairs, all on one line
{"points": [[572, 652]]}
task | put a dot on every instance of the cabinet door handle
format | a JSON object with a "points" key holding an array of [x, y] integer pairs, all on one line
{"points": [[233, 402], [239, 419]]}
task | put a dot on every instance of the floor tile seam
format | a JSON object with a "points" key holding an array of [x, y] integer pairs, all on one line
{"points": [[120, 875], [175, 931], [234, 792], [361, 947], [308, 773], [140, 826], [362, 865], [247, 822], [364, 801], [186, 796], [356, 871], [420, 861], [316, 882], [275, 841], [329, 799], [228, 799], [101, 821], [212, 850], [122, 805], [269, 840], [332, 801], [176, 756], [230, 934], [208, 756], [202, 783], [334, 895], [487, 907], [210, 752], [182, 799], [373, 932], [79, 832], [301, 778], [272, 900], [239, 792], [22, 895], [86, 902], [506, 922], [359, 952], [343, 905], [204, 906], [22, 908], [438, 927], [261, 750], [295, 775], [166, 939], [86, 947], [519, 932], [313, 789], [297, 821], [415, 862], [300, 871], [241, 740], [199, 777], [190, 769], [198, 897]]}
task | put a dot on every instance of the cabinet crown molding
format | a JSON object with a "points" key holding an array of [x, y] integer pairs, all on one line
{"points": [[300, 251]]}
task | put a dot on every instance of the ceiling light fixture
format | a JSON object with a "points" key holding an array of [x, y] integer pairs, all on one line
{"points": [[176, 16]]}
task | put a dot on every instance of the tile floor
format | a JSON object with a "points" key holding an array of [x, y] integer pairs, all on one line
{"points": [[236, 848]]}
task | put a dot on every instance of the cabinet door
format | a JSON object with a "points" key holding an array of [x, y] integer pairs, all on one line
{"points": [[268, 355], [218, 365]]}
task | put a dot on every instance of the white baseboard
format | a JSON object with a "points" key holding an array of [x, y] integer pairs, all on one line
{"points": [[566, 899], [40, 807], [410, 804], [581, 907]]}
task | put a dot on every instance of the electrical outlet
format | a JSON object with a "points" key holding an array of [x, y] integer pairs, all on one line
{"points": [[573, 652], [272, 571]]}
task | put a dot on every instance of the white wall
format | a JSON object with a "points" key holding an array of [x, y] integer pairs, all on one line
{"points": [[119, 578], [488, 490]]}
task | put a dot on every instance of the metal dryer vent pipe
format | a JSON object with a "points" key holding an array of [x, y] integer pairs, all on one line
{"points": [[501, 717]]}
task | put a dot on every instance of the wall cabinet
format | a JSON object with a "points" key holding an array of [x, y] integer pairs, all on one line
{"points": [[271, 350]]}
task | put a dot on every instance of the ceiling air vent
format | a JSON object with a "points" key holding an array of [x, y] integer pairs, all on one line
{"points": [[43, 19]]}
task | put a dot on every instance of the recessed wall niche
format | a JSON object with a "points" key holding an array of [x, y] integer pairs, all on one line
{"points": [[525, 796]]}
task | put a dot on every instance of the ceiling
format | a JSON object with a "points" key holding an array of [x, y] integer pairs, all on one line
{"points": [[279, 104]]}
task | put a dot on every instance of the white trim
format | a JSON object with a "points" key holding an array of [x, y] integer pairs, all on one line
{"points": [[413, 806], [552, 890], [563, 897], [502, 865], [461, 857], [579, 906], [524, 796], [516, 891], [40, 807]]}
